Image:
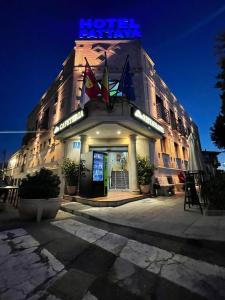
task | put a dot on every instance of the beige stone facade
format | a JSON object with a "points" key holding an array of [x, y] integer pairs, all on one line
{"points": [[168, 151]]}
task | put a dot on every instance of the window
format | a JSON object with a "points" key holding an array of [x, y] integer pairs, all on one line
{"points": [[45, 119], [163, 145], [188, 131], [181, 128], [176, 148], [184, 153], [61, 105], [162, 112], [173, 119], [36, 125]]}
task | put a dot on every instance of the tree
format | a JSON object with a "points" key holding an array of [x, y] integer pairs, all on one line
{"points": [[218, 128]]}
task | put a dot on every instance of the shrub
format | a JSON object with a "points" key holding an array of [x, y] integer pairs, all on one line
{"points": [[145, 170], [42, 185], [71, 171], [214, 190]]}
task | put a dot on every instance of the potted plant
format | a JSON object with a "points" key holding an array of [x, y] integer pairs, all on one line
{"points": [[145, 170], [71, 171], [39, 195]]}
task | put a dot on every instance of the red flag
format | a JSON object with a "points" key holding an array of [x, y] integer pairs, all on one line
{"points": [[91, 85], [105, 83]]}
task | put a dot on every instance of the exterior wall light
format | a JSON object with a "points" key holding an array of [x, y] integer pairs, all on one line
{"points": [[118, 132], [97, 132]]}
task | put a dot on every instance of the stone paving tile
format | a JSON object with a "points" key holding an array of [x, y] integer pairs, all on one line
{"points": [[112, 242], [88, 233], [73, 285], [94, 260], [24, 265], [197, 276]]}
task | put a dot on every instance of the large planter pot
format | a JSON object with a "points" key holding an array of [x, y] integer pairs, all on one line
{"points": [[30, 209], [145, 189], [71, 189]]}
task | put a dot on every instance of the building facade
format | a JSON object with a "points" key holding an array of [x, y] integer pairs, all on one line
{"points": [[155, 125]]}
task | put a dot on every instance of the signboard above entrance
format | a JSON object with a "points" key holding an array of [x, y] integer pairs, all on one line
{"points": [[74, 118], [113, 28], [147, 120]]}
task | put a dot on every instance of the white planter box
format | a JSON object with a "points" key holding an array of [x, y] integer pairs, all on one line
{"points": [[38, 208]]}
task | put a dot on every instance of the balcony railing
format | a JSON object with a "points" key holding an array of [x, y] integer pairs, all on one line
{"points": [[178, 127], [166, 160], [181, 129], [185, 164], [163, 113], [178, 163]]}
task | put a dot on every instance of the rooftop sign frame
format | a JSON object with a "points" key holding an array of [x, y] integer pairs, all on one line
{"points": [[110, 28]]}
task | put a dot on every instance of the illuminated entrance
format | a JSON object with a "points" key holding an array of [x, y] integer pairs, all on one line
{"points": [[118, 171]]}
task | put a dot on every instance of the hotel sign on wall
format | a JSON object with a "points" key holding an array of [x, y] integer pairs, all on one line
{"points": [[113, 28], [147, 120], [74, 118]]}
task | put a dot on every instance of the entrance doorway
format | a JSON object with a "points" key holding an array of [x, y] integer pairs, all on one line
{"points": [[118, 170]]}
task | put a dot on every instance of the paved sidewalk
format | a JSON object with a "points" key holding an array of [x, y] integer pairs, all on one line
{"points": [[163, 215]]}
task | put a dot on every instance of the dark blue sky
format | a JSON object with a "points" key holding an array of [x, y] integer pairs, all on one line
{"points": [[36, 37]]}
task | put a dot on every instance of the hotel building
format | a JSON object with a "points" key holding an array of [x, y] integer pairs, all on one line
{"points": [[155, 125]]}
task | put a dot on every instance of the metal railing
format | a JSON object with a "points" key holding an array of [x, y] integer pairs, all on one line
{"points": [[163, 113], [181, 129]]}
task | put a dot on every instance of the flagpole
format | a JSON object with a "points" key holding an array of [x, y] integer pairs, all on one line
{"points": [[123, 72], [106, 66]]}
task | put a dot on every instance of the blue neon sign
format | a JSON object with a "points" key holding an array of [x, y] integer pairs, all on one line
{"points": [[114, 28]]}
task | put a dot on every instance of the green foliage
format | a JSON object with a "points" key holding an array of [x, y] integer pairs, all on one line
{"points": [[215, 191], [145, 170], [42, 185], [218, 132], [218, 128], [71, 171]]}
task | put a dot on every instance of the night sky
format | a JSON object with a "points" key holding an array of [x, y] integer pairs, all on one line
{"points": [[179, 36]]}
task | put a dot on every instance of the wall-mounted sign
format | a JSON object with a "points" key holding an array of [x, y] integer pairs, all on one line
{"points": [[77, 116], [148, 120], [113, 28], [76, 145]]}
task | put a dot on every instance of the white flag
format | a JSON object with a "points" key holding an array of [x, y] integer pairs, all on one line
{"points": [[84, 97]]}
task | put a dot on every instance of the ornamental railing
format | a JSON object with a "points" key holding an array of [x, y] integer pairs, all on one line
{"points": [[173, 123], [181, 129], [163, 113]]}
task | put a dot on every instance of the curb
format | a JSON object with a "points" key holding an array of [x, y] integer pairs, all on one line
{"points": [[191, 240]]}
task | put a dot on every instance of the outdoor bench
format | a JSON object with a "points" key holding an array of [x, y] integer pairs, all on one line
{"points": [[165, 188]]}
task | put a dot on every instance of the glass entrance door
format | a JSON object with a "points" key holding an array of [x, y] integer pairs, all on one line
{"points": [[118, 169]]}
